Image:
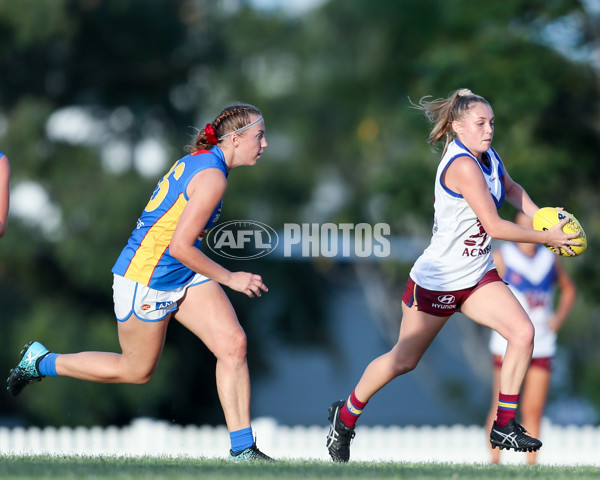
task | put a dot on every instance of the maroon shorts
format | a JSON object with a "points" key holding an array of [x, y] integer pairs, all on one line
{"points": [[540, 362], [442, 304]]}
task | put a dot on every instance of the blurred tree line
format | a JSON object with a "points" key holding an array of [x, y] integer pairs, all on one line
{"points": [[98, 97]]}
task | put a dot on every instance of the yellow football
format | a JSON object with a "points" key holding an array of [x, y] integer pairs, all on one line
{"points": [[547, 217]]}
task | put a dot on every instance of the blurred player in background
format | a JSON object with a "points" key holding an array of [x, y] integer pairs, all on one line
{"points": [[162, 273], [457, 272], [4, 192], [532, 272]]}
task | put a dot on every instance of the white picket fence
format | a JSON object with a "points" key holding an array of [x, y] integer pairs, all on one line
{"points": [[147, 437]]}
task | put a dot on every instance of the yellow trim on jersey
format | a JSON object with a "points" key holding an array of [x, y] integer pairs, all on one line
{"points": [[154, 244]]}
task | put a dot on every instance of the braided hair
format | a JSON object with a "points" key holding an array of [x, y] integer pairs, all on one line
{"points": [[232, 118]]}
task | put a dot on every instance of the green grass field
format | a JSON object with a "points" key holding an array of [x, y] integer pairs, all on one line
{"points": [[97, 468]]}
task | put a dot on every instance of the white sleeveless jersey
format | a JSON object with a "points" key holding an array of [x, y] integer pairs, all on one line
{"points": [[459, 254], [532, 280]]}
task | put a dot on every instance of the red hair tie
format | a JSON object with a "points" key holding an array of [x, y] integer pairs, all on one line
{"points": [[211, 135]]}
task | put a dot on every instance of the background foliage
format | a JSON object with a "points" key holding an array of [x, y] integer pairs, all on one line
{"points": [[86, 86]]}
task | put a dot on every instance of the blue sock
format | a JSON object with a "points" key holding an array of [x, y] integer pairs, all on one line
{"points": [[241, 439], [47, 366]]}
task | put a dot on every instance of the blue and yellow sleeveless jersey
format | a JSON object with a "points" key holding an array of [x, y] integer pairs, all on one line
{"points": [[146, 258]]}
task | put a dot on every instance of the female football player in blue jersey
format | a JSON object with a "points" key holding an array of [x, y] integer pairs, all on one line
{"points": [[4, 192], [456, 272], [162, 273]]}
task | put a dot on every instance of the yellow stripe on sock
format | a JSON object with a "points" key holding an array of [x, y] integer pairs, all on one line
{"points": [[353, 410]]}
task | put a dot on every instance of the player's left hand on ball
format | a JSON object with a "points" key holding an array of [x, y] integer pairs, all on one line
{"points": [[560, 239]]}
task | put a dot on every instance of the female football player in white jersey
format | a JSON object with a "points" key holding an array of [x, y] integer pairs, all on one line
{"points": [[534, 274], [456, 272], [162, 273]]}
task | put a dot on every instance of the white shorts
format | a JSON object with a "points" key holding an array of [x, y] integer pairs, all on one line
{"points": [[146, 303]]}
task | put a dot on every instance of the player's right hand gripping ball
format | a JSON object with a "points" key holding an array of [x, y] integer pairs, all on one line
{"points": [[547, 217]]}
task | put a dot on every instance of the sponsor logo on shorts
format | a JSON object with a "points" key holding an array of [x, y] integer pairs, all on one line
{"points": [[446, 302], [157, 306], [446, 299]]}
